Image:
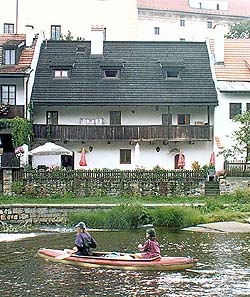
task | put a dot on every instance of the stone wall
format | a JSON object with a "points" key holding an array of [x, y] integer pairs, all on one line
{"points": [[45, 214], [229, 184]]}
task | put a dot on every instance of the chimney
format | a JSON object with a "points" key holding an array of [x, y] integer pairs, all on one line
{"points": [[219, 33], [97, 40], [29, 35]]}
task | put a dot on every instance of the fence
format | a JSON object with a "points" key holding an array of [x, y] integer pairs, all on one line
{"points": [[237, 169], [110, 182]]}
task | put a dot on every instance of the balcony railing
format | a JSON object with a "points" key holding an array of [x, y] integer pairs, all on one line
{"points": [[130, 133], [14, 111]]}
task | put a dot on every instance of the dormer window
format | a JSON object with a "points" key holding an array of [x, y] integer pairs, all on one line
{"points": [[172, 69], [10, 57], [111, 74], [173, 74], [61, 73]]}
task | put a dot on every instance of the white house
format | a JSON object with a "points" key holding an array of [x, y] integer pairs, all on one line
{"points": [[18, 58], [129, 104], [232, 73]]}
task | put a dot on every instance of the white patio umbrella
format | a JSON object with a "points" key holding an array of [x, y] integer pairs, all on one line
{"points": [[49, 148], [137, 156]]}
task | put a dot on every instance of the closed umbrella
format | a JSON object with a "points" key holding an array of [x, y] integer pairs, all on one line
{"points": [[83, 161], [181, 160], [212, 159], [137, 155]]}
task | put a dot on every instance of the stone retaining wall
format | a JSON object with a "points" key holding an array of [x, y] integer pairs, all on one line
{"points": [[229, 184], [44, 214]]}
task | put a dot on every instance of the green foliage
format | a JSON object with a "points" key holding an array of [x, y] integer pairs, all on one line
{"points": [[21, 130], [70, 37], [241, 138], [242, 195], [239, 30], [17, 187], [178, 217]]}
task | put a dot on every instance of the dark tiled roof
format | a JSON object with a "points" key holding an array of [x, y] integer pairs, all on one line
{"points": [[142, 80]]}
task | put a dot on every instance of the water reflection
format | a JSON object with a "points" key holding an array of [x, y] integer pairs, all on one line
{"points": [[224, 267]]}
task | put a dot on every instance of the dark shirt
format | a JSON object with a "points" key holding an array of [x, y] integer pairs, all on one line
{"points": [[84, 242]]}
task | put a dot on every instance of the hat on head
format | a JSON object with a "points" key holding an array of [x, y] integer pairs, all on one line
{"points": [[81, 225], [151, 232]]}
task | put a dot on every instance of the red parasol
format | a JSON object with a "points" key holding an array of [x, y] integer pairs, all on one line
{"points": [[181, 160], [212, 159], [83, 158]]}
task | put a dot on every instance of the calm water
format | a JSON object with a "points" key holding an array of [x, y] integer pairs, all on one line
{"points": [[224, 268]]}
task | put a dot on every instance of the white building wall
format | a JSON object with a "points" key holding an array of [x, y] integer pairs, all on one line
{"points": [[118, 16], [224, 126]]}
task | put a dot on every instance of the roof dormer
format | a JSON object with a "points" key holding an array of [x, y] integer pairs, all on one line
{"points": [[172, 69]]}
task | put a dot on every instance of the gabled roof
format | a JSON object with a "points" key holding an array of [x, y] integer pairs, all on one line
{"points": [[25, 58], [142, 80], [236, 60], [235, 7]]}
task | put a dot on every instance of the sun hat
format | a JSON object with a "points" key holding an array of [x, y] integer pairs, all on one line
{"points": [[81, 225]]}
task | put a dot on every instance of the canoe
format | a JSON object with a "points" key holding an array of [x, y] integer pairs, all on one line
{"points": [[121, 261]]}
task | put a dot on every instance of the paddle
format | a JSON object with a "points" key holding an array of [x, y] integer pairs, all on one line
{"points": [[66, 253]]}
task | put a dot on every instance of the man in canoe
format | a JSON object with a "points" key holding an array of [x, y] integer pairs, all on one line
{"points": [[84, 241], [151, 247]]}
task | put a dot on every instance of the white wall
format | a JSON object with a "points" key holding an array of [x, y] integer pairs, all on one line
{"points": [[224, 127], [133, 115], [118, 16]]}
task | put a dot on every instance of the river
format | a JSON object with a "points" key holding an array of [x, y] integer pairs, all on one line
{"points": [[223, 268]]}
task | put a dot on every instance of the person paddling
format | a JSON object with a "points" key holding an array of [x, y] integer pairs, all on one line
{"points": [[151, 247], [84, 241]]}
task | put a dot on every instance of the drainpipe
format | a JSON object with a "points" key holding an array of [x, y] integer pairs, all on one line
{"points": [[16, 16]]}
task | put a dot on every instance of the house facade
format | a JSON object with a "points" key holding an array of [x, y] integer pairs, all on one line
{"points": [[187, 20], [232, 72], [164, 20], [18, 56], [128, 104]]}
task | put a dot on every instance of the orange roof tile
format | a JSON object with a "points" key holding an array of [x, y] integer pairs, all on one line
{"points": [[236, 60], [237, 8]]}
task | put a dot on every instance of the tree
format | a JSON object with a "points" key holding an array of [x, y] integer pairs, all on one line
{"points": [[239, 30], [241, 138], [70, 37]]}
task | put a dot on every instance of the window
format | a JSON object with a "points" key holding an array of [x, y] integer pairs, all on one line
{"points": [[172, 74], [52, 117], [234, 109], [55, 32], [166, 119], [183, 119], [156, 30], [111, 74], [218, 6], [8, 94], [182, 39], [10, 57], [8, 28], [61, 73], [125, 156], [200, 4], [115, 118], [248, 106], [182, 23], [209, 25]]}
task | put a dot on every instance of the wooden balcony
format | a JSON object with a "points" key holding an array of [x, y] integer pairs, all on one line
{"points": [[14, 111], [123, 133]]}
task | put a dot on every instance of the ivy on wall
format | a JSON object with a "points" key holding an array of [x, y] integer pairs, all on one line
{"points": [[21, 130]]}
